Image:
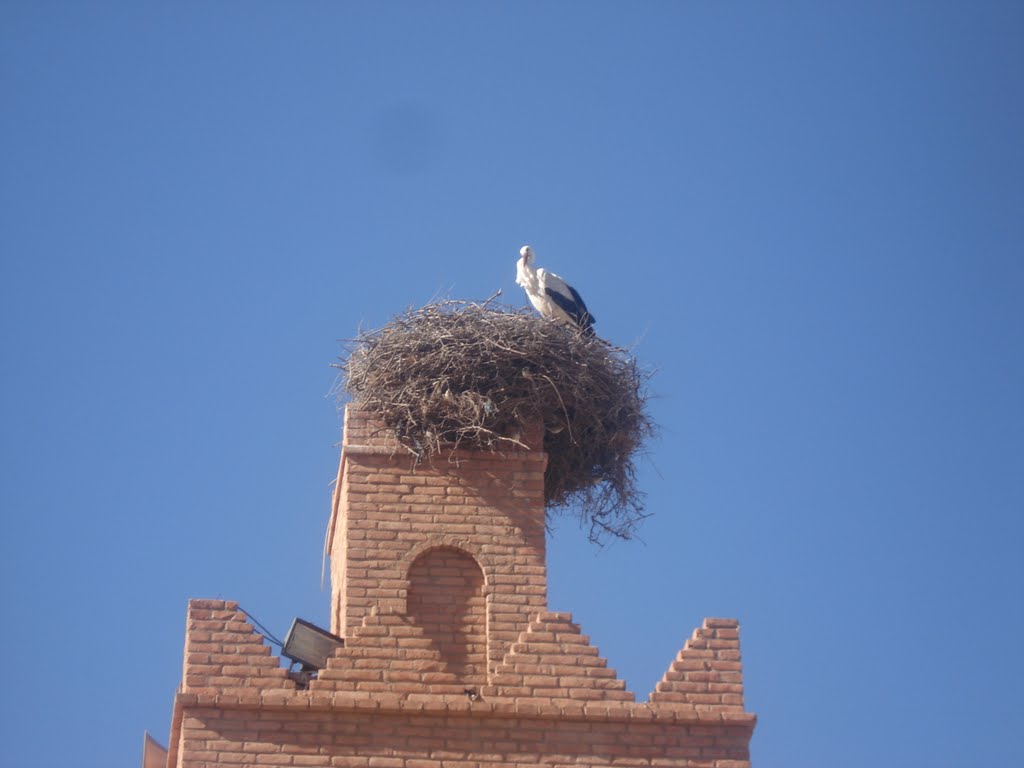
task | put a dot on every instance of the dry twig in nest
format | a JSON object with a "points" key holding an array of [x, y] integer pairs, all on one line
{"points": [[457, 374]]}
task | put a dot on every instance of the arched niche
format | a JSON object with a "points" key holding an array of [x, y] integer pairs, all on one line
{"points": [[447, 600]]}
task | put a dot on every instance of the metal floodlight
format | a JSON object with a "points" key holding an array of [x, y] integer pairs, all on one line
{"points": [[309, 645]]}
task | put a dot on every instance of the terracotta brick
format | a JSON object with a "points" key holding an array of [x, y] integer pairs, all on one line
{"points": [[451, 657]]}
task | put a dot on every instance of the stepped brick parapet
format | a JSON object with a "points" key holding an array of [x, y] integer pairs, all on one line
{"points": [[224, 654], [451, 656], [553, 661], [707, 674]]}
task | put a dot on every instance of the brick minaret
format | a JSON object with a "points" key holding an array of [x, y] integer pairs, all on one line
{"points": [[451, 657]]}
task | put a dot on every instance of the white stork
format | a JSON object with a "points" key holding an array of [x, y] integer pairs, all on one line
{"points": [[551, 295]]}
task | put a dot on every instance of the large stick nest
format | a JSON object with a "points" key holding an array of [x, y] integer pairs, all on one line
{"points": [[463, 375]]}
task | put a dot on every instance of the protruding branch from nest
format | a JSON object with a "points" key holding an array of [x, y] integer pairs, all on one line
{"points": [[461, 374]]}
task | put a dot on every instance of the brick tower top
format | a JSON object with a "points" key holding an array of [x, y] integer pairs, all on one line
{"points": [[455, 543]]}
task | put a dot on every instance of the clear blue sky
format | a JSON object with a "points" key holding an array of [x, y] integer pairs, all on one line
{"points": [[809, 217]]}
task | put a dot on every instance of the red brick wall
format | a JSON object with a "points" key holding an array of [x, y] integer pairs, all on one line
{"points": [[451, 658], [449, 738], [223, 653], [707, 672], [390, 510], [385, 700], [446, 599]]}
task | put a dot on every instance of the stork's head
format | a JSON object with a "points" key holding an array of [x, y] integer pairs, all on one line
{"points": [[526, 252]]}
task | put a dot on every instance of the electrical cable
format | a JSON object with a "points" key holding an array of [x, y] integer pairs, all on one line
{"points": [[266, 632]]}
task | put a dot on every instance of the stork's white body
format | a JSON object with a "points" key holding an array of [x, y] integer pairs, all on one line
{"points": [[550, 295], [536, 282]]}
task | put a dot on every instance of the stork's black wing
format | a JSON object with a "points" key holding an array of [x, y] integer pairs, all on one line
{"points": [[574, 308]]}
